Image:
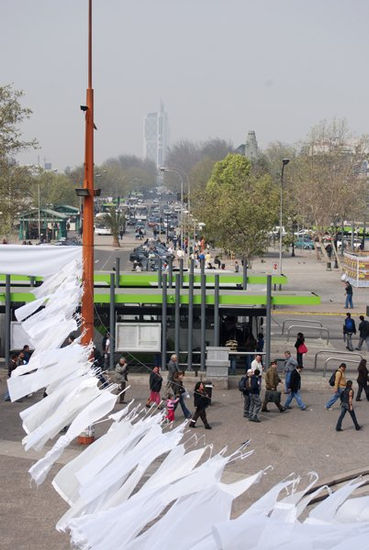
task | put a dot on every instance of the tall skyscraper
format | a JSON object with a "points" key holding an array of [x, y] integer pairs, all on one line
{"points": [[156, 136], [251, 146]]}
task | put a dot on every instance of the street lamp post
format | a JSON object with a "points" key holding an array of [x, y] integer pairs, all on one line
{"points": [[284, 163]]}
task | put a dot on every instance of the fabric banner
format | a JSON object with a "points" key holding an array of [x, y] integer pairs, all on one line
{"points": [[39, 260]]}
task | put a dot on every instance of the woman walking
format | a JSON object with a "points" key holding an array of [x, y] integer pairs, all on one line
{"points": [[301, 348], [201, 402], [347, 398], [362, 380], [180, 392], [155, 383]]}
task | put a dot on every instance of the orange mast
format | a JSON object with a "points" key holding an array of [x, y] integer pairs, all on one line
{"points": [[88, 202]]}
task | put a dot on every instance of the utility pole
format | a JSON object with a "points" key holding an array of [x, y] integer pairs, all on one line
{"points": [[88, 202]]}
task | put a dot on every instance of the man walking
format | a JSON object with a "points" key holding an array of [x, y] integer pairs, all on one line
{"points": [[271, 394], [257, 363], [289, 365], [339, 386], [172, 369], [349, 329], [347, 398], [349, 292], [363, 332], [255, 401], [295, 386]]}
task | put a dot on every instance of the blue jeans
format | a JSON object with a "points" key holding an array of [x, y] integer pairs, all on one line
{"points": [[297, 396], [349, 301], [186, 412], [334, 398], [248, 361]]}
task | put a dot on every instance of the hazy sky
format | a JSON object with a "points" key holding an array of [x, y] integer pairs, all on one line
{"points": [[221, 67]]}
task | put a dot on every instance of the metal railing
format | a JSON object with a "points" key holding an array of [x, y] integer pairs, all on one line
{"points": [[335, 353], [300, 321], [321, 329], [335, 358]]}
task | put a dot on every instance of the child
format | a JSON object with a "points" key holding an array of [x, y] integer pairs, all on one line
{"points": [[171, 403]]}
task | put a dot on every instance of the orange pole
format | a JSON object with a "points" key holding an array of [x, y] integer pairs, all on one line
{"points": [[88, 203]]}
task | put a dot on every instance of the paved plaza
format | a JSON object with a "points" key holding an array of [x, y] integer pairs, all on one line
{"points": [[293, 441]]}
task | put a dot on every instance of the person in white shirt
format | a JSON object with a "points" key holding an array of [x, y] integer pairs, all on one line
{"points": [[257, 363]]}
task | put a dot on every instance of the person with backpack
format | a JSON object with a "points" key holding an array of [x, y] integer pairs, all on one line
{"points": [[349, 329], [349, 293], [244, 386], [347, 397], [363, 333], [338, 381]]}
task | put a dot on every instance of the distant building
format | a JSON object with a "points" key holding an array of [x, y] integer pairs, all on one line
{"points": [[249, 149], [156, 136]]}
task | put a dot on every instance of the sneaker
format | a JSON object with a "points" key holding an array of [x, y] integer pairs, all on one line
{"points": [[329, 409], [339, 430], [288, 407], [257, 420], [208, 427], [303, 409], [282, 410]]}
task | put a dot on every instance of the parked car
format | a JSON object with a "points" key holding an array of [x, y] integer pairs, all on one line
{"points": [[304, 243]]}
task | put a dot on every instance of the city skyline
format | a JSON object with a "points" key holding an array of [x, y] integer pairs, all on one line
{"points": [[223, 68]]}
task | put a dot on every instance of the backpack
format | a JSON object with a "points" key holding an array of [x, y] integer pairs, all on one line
{"points": [[332, 379], [242, 384], [349, 324]]}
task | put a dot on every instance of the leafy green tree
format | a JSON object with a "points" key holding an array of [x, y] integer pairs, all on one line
{"points": [[55, 189], [14, 179], [238, 208]]}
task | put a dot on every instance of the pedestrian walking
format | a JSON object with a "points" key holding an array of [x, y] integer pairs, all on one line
{"points": [[363, 333], [155, 383], [349, 328], [11, 366], [201, 402], [255, 401], [295, 386], [301, 348], [271, 383], [349, 293], [347, 398], [362, 380], [244, 386], [121, 376], [180, 391], [339, 385], [289, 365], [172, 368], [171, 403]]}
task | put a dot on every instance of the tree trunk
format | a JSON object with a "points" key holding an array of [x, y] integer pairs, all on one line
{"points": [[116, 241], [336, 255]]}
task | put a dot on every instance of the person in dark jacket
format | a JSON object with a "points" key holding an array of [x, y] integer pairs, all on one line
{"points": [[155, 382], [362, 380], [300, 348], [363, 332], [349, 293], [201, 402], [11, 366], [349, 328], [255, 401], [295, 385], [347, 398]]}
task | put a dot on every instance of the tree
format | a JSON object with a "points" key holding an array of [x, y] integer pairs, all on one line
{"points": [[14, 179], [115, 221], [55, 189], [238, 208], [328, 178]]}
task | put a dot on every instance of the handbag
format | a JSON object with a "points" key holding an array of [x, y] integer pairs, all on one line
{"points": [[272, 396], [302, 348]]}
